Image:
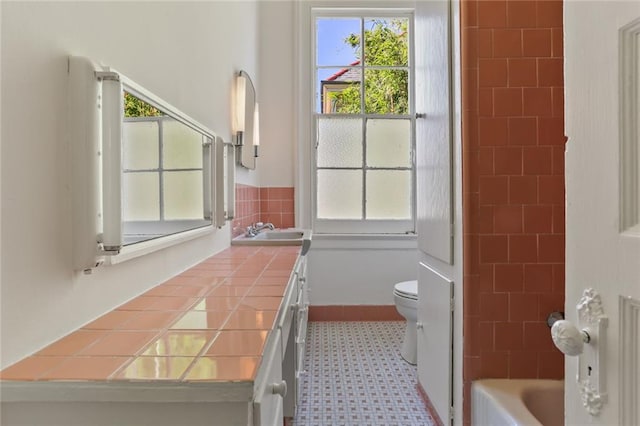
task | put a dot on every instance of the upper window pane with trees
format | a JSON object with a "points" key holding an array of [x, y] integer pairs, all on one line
{"points": [[356, 53]]}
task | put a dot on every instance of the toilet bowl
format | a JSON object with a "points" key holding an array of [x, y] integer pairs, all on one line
{"points": [[405, 296]]}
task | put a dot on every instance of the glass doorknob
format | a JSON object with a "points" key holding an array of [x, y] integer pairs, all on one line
{"points": [[568, 338]]}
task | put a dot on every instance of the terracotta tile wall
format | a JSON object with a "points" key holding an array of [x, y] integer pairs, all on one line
{"points": [[255, 204], [513, 187], [276, 206], [247, 208]]}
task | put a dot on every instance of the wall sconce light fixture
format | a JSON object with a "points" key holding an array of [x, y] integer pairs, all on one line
{"points": [[246, 121]]}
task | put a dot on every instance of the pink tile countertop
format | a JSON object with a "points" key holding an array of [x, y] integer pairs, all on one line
{"points": [[208, 324]]}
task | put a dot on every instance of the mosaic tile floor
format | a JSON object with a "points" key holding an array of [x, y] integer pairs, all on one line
{"points": [[355, 376]]}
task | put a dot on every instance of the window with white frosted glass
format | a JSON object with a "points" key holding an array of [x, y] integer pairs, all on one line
{"points": [[163, 176], [364, 177], [183, 195]]}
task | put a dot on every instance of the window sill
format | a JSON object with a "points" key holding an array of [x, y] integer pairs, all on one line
{"points": [[150, 246]]}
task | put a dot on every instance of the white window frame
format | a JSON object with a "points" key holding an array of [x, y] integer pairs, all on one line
{"points": [[136, 231], [360, 226]]}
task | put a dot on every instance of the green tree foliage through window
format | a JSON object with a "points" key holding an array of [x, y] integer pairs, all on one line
{"points": [[134, 107], [386, 88]]}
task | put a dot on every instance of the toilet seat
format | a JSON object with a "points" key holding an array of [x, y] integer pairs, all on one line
{"points": [[406, 289]]}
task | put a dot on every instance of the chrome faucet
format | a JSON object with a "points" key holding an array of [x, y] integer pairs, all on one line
{"points": [[254, 229]]}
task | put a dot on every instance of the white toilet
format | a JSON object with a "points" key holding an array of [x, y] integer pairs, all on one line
{"points": [[405, 296]]}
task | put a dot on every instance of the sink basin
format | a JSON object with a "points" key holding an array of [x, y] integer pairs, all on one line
{"points": [[278, 234], [277, 237]]}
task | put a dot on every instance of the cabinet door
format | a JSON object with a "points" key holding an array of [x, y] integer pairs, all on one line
{"points": [[302, 316], [435, 338], [287, 310], [269, 390]]}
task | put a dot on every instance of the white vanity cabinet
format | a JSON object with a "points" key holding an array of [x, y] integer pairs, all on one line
{"points": [[270, 389], [263, 401], [302, 316], [294, 331]]}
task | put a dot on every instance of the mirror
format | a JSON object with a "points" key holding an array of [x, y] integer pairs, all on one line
{"points": [[142, 170], [247, 127], [166, 176]]}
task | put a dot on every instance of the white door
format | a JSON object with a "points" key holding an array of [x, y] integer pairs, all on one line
{"points": [[602, 81]]}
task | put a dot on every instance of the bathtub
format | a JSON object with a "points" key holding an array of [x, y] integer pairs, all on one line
{"points": [[517, 402]]}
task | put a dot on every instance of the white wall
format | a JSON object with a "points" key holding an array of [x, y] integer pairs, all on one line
{"points": [[359, 271], [276, 163], [187, 53]]}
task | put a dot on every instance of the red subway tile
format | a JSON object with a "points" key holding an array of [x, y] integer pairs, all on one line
{"points": [[288, 220], [484, 336], [523, 364], [485, 220], [470, 130], [485, 278], [471, 301], [508, 219], [538, 278], [288, 206], [494, 189], [264, 193], [551, 365], [469, 13], [469, 88], [507, 102], [537, 101], [559, 280], [537, 161], [550, 302], [471, 247], [485, 43], [469, 44], [536, 42], [492, 14], [494, 307], [549, 14], [493, 131], [523, 307], [558, 101], [273, 206], [508, 278], [485, 102], [281, 193], [538, 219], [557, 43], [551, 248], [523, 190], [507, 43], [522, 131], [494, 364], [550, 72], [521, 14], [558, 219], [537, 336], [508, 161], [471, 367], [492, 72], [485, 161], [493, 248], [557, 160], [522, 72], [523, 248], [551, 189], [551, 131], [508, 336]]}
